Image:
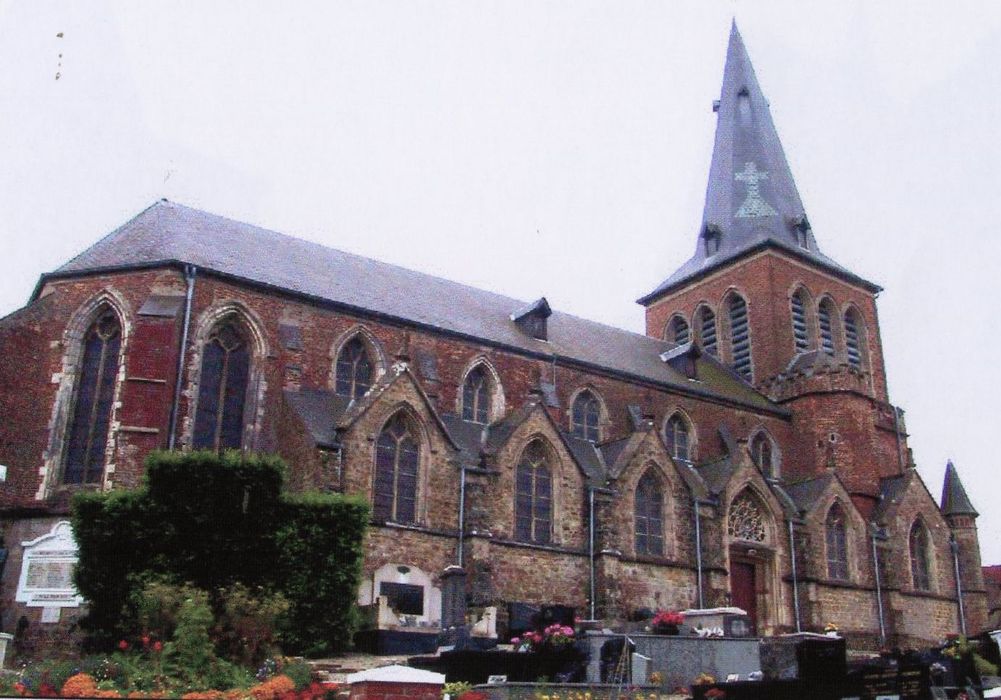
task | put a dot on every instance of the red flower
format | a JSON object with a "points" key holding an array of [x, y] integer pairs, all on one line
{"points": [[715, 693], [158, 646], [145, 640], [123, 645]]}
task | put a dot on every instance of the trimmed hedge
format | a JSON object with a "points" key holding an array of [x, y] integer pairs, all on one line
{"points": [[216, 520]]}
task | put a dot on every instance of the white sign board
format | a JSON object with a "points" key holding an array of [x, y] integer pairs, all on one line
{"points": [[46, 579]]}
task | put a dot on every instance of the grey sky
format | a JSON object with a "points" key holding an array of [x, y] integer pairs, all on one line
{"points": [[556, 148]]}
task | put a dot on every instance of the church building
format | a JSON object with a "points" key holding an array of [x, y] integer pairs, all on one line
{"points": [[743, 452]]}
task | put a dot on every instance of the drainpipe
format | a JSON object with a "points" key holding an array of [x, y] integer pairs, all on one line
{"points": [[189, 278], [879, 592], [698, 551], [462, 510], [795, 579], [954, 546], [590, 547]]}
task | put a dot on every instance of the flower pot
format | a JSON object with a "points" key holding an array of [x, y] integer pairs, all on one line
{"points": [[670, 630]]}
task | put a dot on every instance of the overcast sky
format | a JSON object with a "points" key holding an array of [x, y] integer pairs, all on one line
{"points": [[536, 148]]}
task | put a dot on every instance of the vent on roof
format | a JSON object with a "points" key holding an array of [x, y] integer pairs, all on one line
{"points": [[801, 226], [532, 319], [712, 236]]}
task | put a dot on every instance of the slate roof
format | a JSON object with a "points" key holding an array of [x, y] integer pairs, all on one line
{"points": [[169, 233], [806, 493], [319, 410], [891, 490], [751, 198], [954, 498]]}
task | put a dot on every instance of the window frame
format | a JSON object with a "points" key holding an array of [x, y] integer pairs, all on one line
{"points": [[648, 515], [836, 543], [399, 428], [536, 505], [586, 428]]}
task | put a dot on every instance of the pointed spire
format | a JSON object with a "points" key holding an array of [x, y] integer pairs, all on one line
{"points": [[751, 199], [954, 498]]}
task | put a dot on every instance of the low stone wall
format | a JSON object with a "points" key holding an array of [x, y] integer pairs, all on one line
{"points": [[680, 659], [569, 691]]}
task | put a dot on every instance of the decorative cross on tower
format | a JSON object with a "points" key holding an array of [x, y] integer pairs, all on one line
{"points": [[754, 205]]}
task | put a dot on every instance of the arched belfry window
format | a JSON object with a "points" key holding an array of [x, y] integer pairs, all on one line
{"points": [[763, 454], [92, 403], [705, 324], [746, 520], [649, 516], [222, 387], [825, 322], [585, 416], [853, 338], [476, 396], [800, 327], [740, 336], [677, 437], [678, 331], [353, 369], [920, 557], [836, 537], [397, 462], [533, 505]]}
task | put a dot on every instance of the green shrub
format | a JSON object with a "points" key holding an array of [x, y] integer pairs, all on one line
{"points": [[247, 622], [191, 647], [300, 672]]}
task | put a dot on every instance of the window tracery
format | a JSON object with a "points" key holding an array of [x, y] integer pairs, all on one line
{"points": [[648, 516], [585, 416], [222, 387], [397, 461], [534, 496], [746, 521], [476, 396], [836, 535], [353, 370]]}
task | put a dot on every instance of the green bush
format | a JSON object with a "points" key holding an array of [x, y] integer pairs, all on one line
{"points": [[300, 673], [221, 524]]}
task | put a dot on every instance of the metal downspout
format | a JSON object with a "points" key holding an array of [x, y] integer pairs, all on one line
{"points": [[795, 578], [462, 511], [954, 546], [189, 276], [590, 547], [879, 592], [698, 552]]}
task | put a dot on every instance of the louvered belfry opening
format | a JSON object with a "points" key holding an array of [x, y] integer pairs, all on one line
{"points": [[853, 344], [707, 330], [826, 325], [740, 336], [800, 330], [222, 387], [92, 404], [678, 331], [649, 519]]}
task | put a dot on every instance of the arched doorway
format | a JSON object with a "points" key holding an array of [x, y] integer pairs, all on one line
{"points": [[749, 530]]}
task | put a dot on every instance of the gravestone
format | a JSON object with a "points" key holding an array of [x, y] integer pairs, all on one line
{"points": [[453, 597]]}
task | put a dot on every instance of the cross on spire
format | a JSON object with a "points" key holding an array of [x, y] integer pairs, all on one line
{"points": [[753, 205]]}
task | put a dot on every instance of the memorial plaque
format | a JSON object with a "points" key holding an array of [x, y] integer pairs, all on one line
{"points": [[46, 578]]}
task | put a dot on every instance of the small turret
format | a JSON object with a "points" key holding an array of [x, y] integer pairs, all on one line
{"points": [[962, 519]]}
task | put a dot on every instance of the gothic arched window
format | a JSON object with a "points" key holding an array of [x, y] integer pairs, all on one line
{"points": [[92, 402], [762, 454], [222, 387], [476, 396], [649, 505], [678, 331], [677, 438], [853, 338], [825, 312], [800, 327], [585, 416], [920, 559], [836, 536], [353, 370], [533, 505], [705, 324], [397, 461], [740, 336], [746, 520]]}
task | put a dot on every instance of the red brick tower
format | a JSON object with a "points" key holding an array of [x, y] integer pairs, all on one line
{"points": [[760, 294]]}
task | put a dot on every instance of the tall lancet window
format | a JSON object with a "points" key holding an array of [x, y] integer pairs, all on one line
{"points": [[836, 534], [800, 329], [920, 559], [476, 396], [585, 416], [397, 460], [677, 438], [824, 320], [706, 324], [649, 505], [354, 369], [740, 336], [222, 387], [533, 505], [92, 403]]}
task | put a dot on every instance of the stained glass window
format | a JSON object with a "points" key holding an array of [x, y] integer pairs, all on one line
{"points": [[397, 457], [476, 396], [649, 515], [746, 521], [920, 569], [353, 370], [585, 417], [676, 438], [837, 543], [222, 388], [92, 403], [533, 506]]}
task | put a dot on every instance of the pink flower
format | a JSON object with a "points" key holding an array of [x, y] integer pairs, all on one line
{"points": [[123, 645], [158, 646], [516, 640]]}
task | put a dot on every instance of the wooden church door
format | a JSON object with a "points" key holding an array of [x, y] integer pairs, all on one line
{"points": [[744, 590]]}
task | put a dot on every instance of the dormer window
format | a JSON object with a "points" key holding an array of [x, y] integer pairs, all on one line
{"points": [[532, 319], [712, 237], [802, 229]]}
